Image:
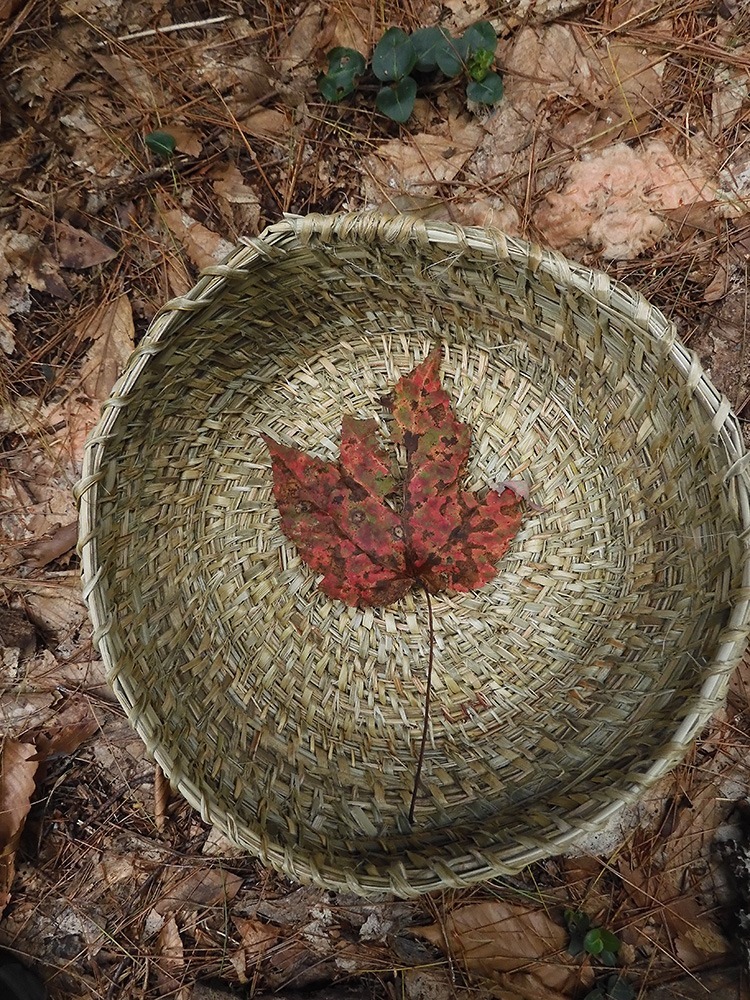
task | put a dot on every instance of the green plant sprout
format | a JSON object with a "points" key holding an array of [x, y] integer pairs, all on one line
{"points": [[602, 945], [398, 55]]}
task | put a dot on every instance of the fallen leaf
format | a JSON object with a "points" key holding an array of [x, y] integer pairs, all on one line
{"points": [[186, 139], [444, 536], [202, 887], [268, 123], [513, 943], [52, 545], [202, 246], [133, 77], [78, 250], [170, 956], [17, 772], [71, 726], [237, 201], [419, 163], [112, 332], [257, 938]]}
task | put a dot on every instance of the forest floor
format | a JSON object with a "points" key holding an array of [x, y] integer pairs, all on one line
{"points": [[623, 139]]}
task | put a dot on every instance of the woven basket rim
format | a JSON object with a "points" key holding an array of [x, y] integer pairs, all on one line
{"points": [[271, 246]]}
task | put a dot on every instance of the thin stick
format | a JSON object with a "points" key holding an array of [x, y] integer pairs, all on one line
{"points": [[170, 28], [426, 726]]}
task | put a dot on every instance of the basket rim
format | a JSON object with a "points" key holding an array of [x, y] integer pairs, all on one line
{"points": [[370, 227]]}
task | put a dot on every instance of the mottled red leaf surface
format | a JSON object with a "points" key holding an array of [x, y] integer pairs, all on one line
{"points": [[374, 533]]}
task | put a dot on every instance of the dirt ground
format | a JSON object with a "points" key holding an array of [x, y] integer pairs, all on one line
{"points": [[623, 139]]}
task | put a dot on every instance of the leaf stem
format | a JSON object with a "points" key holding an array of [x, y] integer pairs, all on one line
{"points": [[426, 725]]}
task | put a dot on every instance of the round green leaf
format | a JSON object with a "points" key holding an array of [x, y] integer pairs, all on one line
{"points": [[335, 87], [427, 43], [161, 143], [343, 60], [480, 36], [394, 56], [610, 941], [451, 60], [593, 942], [397, 101], [487, 91]]}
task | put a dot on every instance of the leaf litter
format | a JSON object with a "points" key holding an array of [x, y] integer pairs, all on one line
{"points": [[623, 139]]}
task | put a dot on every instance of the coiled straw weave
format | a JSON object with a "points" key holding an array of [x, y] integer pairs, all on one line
{"points": [[561, 691]]}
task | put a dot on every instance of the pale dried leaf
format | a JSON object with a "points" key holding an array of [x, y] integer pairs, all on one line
{"points": [[730, 94], [170, 954], [297, 48], [113, 333], [73, 724], [202, 246], [17, 771], [18, 712], [351, 24], [238, 201], [497, 937], [268, 123]]}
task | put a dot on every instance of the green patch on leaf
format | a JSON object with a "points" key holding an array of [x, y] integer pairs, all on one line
{"points": [[345, 66], [394, 56], [480, 36], [486, 91], [451, 60], [161, 143], [397, 101], [428, 42]]}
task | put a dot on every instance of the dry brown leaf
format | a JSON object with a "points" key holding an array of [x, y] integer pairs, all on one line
{"points": [[113, 333], [77, 249], [417, 164], [199, 888], [297, 48], [257, 938], [17, 772], [497, 938], [133, 77], [635, 87], [268, 123], [52, 545], [238, 202], [162, 793], [351, 24], [170, 957], [202, 246], [186, 139], [72, 725]]}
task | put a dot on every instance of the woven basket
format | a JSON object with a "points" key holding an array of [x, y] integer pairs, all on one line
{"points": [[561, 690]]}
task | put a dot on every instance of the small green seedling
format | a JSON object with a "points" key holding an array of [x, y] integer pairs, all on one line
{"points": [[595, 941], [402, 62], [161, 143], [603, 946]]}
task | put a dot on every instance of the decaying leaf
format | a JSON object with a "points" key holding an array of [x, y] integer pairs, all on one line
{"points": [[112, 332], [369, 553], [202, 246], [516, 944], [18, 766], [77, 249]]}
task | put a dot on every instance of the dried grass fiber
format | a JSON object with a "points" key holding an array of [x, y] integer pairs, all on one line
{"points": [[562, 690]]}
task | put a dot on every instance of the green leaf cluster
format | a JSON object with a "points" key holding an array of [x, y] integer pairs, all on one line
{"points": [[603, 946], [399, 55]]}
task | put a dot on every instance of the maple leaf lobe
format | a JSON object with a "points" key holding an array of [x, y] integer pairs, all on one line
{"points": [[339, 517]]}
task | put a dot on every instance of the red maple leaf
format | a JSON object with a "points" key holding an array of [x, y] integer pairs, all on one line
{"points": [[373, 539]]}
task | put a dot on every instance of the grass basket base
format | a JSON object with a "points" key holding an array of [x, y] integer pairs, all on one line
{"points": [[561, 690]]}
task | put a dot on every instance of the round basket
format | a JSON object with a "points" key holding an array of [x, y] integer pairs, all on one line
{"points": [[561, 690]]}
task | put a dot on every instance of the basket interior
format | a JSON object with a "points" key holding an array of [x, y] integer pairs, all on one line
{"points": [[294, 721]]}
